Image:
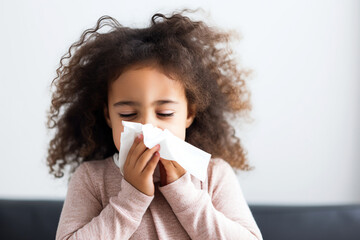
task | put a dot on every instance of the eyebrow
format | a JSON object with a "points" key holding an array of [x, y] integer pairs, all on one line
{"points": [[132, 103]]}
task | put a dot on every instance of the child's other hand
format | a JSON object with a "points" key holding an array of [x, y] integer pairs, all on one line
{"points": [[170, 171], [140, 165]]}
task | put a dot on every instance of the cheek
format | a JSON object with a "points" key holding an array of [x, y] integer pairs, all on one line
{"points": [[182, 135], [178, 130], [116, 131]]}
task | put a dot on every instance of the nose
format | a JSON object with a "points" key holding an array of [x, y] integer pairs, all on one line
{"points": [[148, 117]]}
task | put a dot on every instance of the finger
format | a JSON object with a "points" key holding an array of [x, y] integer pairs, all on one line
{"points": [[136, 142], [151, 164], [177, 165], [146, 156], [137, 152], [167, 164]]}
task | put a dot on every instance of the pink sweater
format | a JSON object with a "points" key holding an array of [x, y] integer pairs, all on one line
{"points": [[101, 204]]}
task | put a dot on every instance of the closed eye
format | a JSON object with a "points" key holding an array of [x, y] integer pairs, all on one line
{"points": [[165, 114], [128, 115]]}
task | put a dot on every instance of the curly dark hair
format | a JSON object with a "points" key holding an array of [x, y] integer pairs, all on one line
{"points": [[198, 54]]}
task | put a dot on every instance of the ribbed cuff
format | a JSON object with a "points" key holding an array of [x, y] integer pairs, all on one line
{"points": [[181, 194], [131, 201]]}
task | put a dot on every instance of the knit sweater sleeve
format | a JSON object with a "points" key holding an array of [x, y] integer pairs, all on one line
{"points": [[84, 217], [221, 213]]}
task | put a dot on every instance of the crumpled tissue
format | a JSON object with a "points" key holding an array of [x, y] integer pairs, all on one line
{"points": [[191, 158]]}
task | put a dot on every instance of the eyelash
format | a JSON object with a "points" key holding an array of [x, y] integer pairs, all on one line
{"points": [[134, 114], [166, 114], [127, 115]]}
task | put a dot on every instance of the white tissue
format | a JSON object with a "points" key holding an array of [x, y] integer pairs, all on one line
{"points": [[192, 159]]}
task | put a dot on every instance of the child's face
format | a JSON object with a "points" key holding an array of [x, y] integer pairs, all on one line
{"points": [[146, 95]]}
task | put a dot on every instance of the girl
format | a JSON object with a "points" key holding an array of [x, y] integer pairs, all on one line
{"points": [[176, 74]]}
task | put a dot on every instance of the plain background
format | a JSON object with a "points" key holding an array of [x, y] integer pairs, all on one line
{"points": [[304, 141]]}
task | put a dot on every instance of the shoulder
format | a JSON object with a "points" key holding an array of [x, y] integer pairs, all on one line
{"points": [[93, 170], [100, 177], [99, 165], [219, 166], [220, 174]]}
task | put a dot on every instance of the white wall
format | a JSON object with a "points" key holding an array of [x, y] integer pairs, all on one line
{"points": [[305, 140]]}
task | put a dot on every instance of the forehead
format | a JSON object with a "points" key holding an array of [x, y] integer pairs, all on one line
{"points": [[146, 82]]}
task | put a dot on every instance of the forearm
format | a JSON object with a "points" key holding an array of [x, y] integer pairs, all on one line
{"points": [[201, 220], [118, 220]]}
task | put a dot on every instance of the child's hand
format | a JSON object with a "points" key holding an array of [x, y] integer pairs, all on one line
{"points": [[140, 165], [170, 171]]}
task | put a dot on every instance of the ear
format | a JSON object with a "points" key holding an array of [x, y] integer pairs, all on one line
{"points": [[191, 115], [107, 116]]}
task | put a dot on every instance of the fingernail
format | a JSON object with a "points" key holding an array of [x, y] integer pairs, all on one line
{"points": [[158, 146]]}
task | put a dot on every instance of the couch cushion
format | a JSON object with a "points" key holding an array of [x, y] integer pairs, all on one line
{"points": [[29, 219], [308, 222]]}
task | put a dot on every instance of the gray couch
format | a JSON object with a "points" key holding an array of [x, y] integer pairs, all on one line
{"points": [[38, 219]]}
